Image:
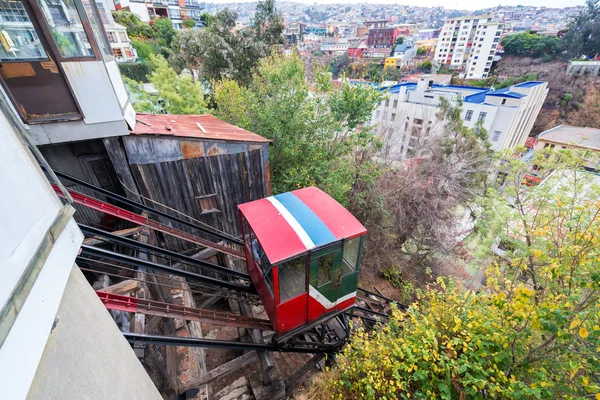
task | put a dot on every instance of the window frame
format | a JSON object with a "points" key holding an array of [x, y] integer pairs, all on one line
{"points": [[87, 28], [306, 257]]}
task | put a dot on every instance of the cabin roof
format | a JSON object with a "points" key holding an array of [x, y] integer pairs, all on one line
{"points": [[292, 223], [203, 126]]}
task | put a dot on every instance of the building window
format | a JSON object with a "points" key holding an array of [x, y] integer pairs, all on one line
{"points": [[481, 117], [67, 28], [377, 114], [387, 102], [112, 37], [469, 114], [393, 117], [123, 37], [418, 121], [405, 126], [496, 136], [117, 52], [395, 103], [176, 14], [25, 41]]}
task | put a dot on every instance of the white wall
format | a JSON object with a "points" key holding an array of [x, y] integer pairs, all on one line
{"points": [[27, 210]]}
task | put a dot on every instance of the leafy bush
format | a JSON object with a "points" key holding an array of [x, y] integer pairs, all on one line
{"points": [[135, 26], [190, 23], [530, 43], [139, 72], [143, 48]]}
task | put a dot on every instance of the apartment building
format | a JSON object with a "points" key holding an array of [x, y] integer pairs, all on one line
{"points": [[118, 40], [175, 10], [410, 114], [469, 43]]}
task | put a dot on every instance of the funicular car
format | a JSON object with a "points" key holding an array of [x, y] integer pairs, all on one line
{"points": [[303, 251]]}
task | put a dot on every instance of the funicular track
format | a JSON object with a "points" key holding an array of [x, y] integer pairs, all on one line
{"points": [[324, 336]]}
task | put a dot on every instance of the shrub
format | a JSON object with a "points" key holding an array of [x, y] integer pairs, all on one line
{"points": [[139, 72]]}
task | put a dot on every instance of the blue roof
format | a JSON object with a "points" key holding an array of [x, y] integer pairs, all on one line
{"points": [[513, 95], [401, 48], [476, 98], [529, 84]]}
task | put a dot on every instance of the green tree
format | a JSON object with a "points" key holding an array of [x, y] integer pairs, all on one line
{"points": [[583, 34], [399, 40], [267, 24], [165, 33], [532, 333], [189, 23], [135, 26], [143, 48], [531, 44], [421, 51], [177, 94], [316, 137]]}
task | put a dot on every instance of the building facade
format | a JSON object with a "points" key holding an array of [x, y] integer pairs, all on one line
{"points": [[176, 10], [410, 114], [469, 44], [572, 137], [382, 37]]}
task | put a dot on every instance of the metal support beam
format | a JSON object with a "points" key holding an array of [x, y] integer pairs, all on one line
{"points": [[160, 252], [110, 255]]}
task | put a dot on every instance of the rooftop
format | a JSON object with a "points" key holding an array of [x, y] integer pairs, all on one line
{"points": [[575, 135], [204, 126], [292, 223]]}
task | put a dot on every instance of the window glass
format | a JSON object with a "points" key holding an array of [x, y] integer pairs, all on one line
{"points": [[260, 258], [66, 27], [123, 37], [350, 255], [325, 269], [112, 37], [18, 39], [292, 278], [94, 22]]}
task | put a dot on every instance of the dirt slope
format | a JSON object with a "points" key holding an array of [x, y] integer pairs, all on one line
{"points": [[572, 100]]}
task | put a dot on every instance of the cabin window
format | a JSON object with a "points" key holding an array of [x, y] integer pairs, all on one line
{"points": [[260, 259], [292, 278], [325, 269], [67, 28], [350, 256]]}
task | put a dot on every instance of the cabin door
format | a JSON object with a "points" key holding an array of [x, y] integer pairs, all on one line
{"points": [[325, 279]]}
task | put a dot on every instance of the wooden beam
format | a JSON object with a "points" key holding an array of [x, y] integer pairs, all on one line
{"points": [[117, 156], [124, 287], [92, 241], [293, 380], [224, 369]]}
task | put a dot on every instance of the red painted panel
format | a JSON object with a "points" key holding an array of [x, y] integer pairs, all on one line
{"points": [[292, 314], [339, 220], [277, 238], [316, 309], [263, 291]]}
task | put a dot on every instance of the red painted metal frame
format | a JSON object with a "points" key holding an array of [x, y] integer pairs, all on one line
{"points": [[119, 212], [132, 304]]}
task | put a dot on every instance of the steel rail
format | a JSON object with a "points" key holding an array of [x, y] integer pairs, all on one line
{"points": [[157, 251], [125, 200], [110, 255], [127, 215], [143, 306]]}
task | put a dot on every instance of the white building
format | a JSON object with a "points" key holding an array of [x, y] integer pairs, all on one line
{"points": [[177, 11], [410, 114], [469, 43]]}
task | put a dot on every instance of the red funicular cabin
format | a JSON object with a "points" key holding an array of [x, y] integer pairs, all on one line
{"points": [[303, 252]]}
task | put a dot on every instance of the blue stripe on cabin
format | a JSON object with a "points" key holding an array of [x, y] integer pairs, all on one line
{"points": [[318, 232]]}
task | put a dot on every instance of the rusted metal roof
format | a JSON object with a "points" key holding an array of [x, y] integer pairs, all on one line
{"points": [[204, 126]]}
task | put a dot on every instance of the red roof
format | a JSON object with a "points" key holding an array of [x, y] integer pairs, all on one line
{"points": [[204, 126], [293, 223], [530, 142]]}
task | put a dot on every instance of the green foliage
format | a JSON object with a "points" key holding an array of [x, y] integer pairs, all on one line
{"points": [[189, 23], [317, 53], [135, 26], [66, 47], [568, 97], [338, 65], [144, 48], [139, 72], [393, 274], [177, 94], [531, 44], [315, 137], [532, 332], [492, 81], [218, 52], [207, 19], [399, 40], [165, 33], [421, 51], [425, 66], [582, 36]]}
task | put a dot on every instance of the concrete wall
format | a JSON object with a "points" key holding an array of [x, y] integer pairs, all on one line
{"points": [[86, 356]]}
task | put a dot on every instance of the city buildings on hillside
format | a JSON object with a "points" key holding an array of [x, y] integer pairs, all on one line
{"points": [[382, 37], [410, 114], [118, 40], [572, 137], [469, 43], [175, 10]]}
